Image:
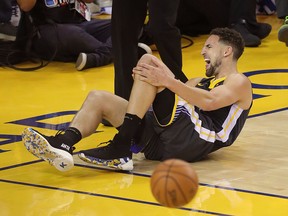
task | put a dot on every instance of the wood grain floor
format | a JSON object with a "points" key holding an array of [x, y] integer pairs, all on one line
{"points": [[247, 178]]}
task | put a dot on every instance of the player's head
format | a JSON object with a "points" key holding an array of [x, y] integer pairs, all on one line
{"points": [[224, 46], [231, 38]]}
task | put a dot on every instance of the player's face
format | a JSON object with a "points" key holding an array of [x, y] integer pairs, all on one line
{"points": [[212, 53]]}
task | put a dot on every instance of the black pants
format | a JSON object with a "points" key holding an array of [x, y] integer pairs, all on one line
{"points": [[128, 17], [69, 40], [243, 9], [281, 8], [196, 17], [5, 11]]}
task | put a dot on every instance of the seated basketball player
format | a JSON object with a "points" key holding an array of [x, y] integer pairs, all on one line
{"points": [[186, 121]]}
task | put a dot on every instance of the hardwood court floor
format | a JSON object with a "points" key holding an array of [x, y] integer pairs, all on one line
{"points": [[248, 178]]}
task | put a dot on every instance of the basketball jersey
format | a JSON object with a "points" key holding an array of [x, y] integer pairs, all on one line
{"points": [[221, 126]]}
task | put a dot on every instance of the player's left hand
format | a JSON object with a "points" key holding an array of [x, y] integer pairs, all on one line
{"points": [[156, 74]]}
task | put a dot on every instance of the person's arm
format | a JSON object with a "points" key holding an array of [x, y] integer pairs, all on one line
{"points": [[26, 5], [236, 88]]}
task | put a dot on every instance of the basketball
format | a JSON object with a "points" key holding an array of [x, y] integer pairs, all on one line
{"points": [[174, 183]]}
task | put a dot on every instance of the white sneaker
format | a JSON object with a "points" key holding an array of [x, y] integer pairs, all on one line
{"points": [[81, 61], [37, 144]]}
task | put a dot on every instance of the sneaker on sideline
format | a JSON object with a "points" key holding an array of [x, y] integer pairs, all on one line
{"points": [[81, 61], [41, 146]]}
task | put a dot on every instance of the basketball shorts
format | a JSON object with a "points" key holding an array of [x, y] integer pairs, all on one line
{"points": [[177, 137]]}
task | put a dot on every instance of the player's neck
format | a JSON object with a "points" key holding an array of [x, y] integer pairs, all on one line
{"points": [[226, 70]]}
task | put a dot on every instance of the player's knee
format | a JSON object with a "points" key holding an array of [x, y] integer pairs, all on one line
{"points": [[96, 95], [146, 58]]}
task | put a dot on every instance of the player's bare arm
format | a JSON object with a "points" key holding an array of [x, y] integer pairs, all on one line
{"points": [[236, 88], [194, 81]]}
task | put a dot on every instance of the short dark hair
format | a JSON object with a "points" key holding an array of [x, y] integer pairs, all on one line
{"points": [[232, 38]]}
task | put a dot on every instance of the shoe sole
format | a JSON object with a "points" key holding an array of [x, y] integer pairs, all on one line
{"points": [[81, 61], [283, 34], [119, 164], [40, 147]]}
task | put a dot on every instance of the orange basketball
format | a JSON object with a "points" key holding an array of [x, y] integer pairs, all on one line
{"points": [[174, 183]]}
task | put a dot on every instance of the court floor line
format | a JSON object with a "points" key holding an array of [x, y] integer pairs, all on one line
{"points": [[146, 175], [105, 196]]}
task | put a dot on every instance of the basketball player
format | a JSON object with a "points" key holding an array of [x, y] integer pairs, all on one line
{"points": [[186, 121]]}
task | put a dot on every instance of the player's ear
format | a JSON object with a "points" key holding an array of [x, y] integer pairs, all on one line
{"points": [[228, 51]]}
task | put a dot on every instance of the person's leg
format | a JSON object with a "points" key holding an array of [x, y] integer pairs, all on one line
{"points": [[7, 30], [5, 11], [127, 21], [261, 30], [99, 105], [53, 41], [243, 19], [237, 20], [216, 12], [189, 19], [281, 8], [57, 150], [99, 51], [167, 37], [141, 98], [98, 28]]}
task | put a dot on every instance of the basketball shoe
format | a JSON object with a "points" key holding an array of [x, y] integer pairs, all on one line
{"points": [[49, 149], [116, 156]]}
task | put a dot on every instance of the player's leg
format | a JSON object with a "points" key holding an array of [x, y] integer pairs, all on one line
{"points": [[166, 35], [99, 105], [127, 21], [58, 149], [117, 154]]}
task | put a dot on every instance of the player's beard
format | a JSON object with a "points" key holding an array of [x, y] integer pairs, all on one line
{"points": [[212, 70]]}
